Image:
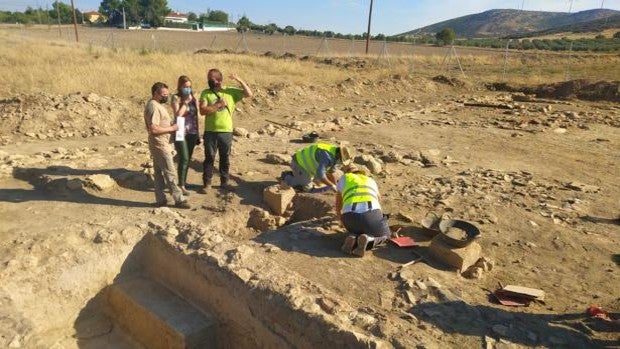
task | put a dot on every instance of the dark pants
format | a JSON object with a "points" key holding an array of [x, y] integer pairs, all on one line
{"points": [[217, 142], [185, 149], [371, 223]]}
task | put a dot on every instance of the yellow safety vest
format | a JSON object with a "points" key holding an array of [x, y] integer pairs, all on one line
{"points": [[357, 188], [306, 157]]}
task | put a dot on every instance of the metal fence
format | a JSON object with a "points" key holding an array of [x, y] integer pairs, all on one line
{"points": [[465, 62]]}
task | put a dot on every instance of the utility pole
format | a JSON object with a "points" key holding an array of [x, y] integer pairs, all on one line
{"points": [[570, 8], [124, 22], [74, 22], [58, 16], [368, 32], [39, 12], [47, 16], [522, 4]]}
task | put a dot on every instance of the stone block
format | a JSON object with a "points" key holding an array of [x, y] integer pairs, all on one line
{"points": [[101, 182], [157, 318], [277, 198], [460, 258]]}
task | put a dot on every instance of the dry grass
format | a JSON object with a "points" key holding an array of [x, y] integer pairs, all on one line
{"points": [[29, 64]]}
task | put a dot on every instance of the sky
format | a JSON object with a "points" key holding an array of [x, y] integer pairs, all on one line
{"points": [[389, 17]]}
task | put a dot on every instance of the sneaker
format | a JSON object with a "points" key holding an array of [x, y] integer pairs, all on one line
{"points": [[182, 204], [160, 204], [185, 192], [362, 244], [349, 244]]}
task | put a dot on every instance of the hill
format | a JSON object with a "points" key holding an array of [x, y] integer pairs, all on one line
{"points": [[595, 26], [508, 22]]}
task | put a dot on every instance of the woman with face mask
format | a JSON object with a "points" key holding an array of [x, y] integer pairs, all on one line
{"points": [[184, 105]]}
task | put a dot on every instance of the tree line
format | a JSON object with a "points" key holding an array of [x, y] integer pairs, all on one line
{"points": [[447, 36], [59, 11], [152, 12]]}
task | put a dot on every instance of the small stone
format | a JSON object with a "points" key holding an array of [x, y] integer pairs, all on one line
{"points": [[240, 132], [244, 274], [216, 238], [405, 217], [261, 220], [172, 232], [278, 159], [582, 187], [15, 343], [363, 320], [386, 299], [560, 130], [474, 272], [410, 297], [104, 236], [489, 343], [273, 249], [240, 254], [406, 274], [432, 282], [92, 97], [373, 165], [328, 305], [421, 285], [101, 182]]}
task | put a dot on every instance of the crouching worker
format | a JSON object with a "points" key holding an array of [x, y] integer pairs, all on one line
{"points": [[358, 202], [313, 164]]}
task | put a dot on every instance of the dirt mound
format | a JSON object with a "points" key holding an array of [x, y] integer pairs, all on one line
{"points": [[442, 79], [579, 89], [47, 116], [346, 63]]}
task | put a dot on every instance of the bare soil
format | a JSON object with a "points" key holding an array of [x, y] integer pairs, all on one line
{"points": [[538, 177]]}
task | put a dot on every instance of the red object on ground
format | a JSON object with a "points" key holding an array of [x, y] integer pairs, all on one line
{"points": [[595, 311], [403, 241]]}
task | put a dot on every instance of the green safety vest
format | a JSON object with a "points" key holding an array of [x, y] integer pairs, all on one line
{"points": [[306, 157], [357, 189]]}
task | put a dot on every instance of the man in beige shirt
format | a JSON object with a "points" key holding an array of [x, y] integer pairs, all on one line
{"points": [[161, 130]]}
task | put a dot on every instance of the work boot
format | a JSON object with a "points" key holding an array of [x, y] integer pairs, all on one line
{"points": [[160, 204], [362, 244], [224, 185], [349, 244], [204, 189]]}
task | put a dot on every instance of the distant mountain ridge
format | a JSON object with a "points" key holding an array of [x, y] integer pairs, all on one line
{"points": [[509, 22]]}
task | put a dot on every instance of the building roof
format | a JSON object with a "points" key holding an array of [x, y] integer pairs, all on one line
{"points": [[176, 15], [92, 13]]}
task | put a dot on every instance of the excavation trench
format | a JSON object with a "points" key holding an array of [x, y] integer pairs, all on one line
{"points": [[185, 287]]}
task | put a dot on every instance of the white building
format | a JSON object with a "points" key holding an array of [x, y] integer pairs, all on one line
{"points": [[176, 17]]}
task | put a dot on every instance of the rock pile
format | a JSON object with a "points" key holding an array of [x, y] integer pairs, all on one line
{"points": [[46, 116]]}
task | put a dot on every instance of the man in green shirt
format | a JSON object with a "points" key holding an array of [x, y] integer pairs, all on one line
{"points": [[217, 103]]}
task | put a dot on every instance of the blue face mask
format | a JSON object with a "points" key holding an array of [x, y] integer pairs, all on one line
{"points": [[186, 90]]}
